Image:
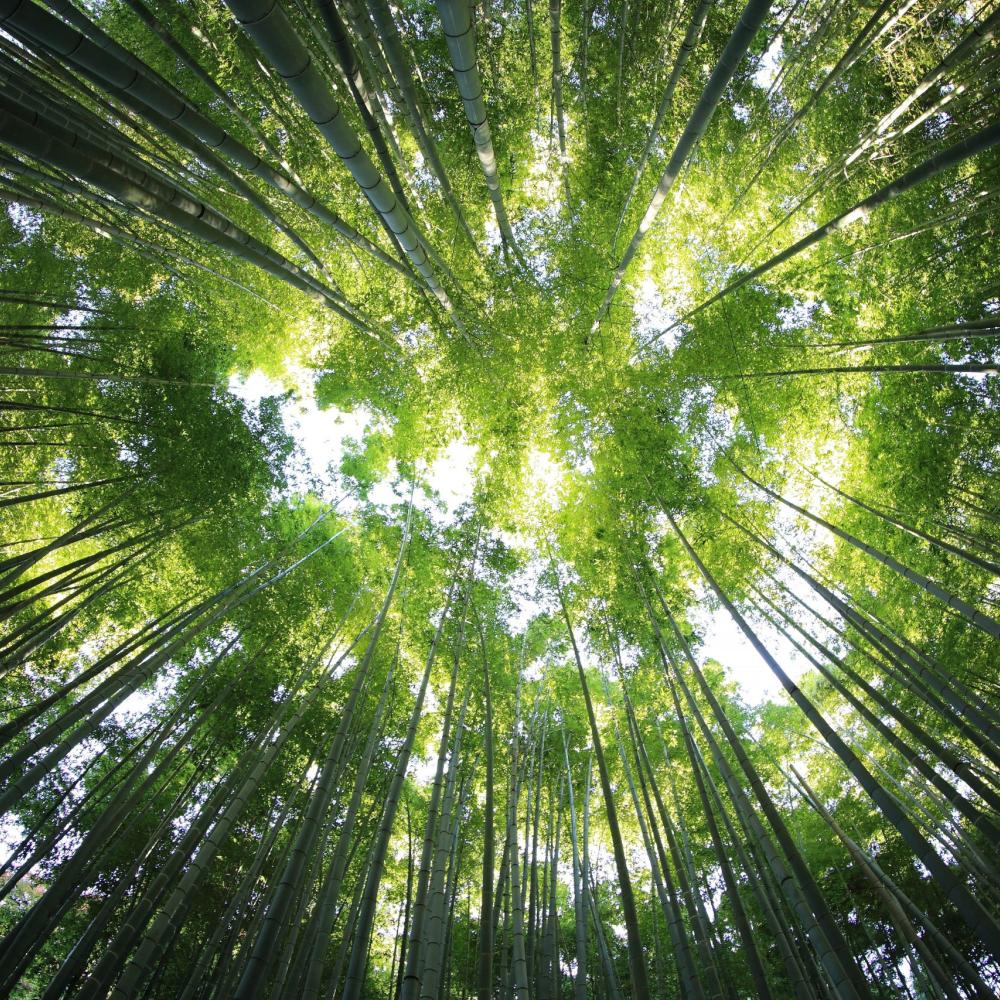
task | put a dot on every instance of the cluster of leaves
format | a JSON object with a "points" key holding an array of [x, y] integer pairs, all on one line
{"points": [[668, 414]]}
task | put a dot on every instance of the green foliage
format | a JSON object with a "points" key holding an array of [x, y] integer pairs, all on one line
{"points": [[180, 604]]}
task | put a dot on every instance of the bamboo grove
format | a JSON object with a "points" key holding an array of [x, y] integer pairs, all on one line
{"points": [[689, 689]]}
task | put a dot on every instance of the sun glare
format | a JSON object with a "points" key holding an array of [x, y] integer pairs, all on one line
{"points": [[544, 478]]}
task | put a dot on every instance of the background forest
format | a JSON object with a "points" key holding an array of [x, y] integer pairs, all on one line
{"points": [[499, 500]]}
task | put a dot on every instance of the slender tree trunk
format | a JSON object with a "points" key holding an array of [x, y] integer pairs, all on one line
{"points": [[580, 914], [460, 34], [272, 31], [688, 44], [740, 40], [484, 974], [798, 885], [637, 959], [354, 984]]}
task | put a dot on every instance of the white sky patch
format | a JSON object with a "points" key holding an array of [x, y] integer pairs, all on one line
{"points": [[452, 475], [533, 671], [543, 181], [385, 492], [726, 642], [11, 834], [135, 706], [27, 222], [421, 770], [421, 174], [492, 233], [652, 316], [544, 477], [255, 387], [770, 63], [321, 435], [138, 703]]}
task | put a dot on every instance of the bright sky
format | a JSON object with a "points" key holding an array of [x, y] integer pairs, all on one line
{"points": [[653, 317], [724, 641], [770, 63], [320, 434], [323, 437]]}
